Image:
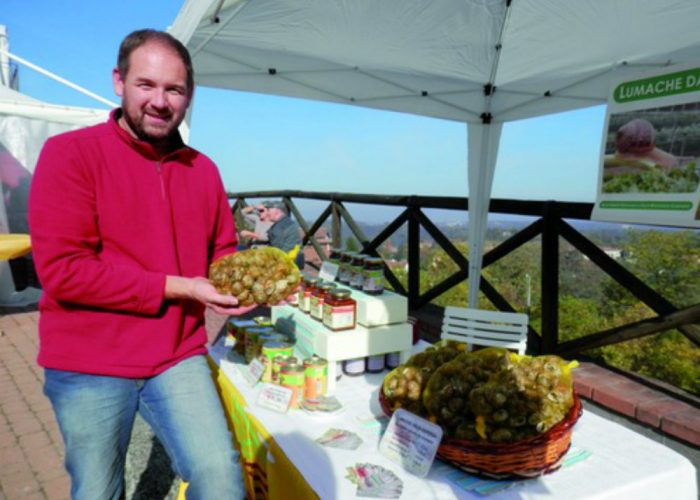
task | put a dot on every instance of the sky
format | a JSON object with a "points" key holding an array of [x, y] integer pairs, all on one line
{"points": [[263, 142]]}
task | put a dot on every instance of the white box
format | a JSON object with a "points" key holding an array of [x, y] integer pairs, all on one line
{"points": [[314, 338], [376, 310]]}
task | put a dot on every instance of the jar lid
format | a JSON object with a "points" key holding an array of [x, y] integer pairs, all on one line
{"points": [[340, 293], [374, 260], [360, 257], [326, 285], [312, 280]]}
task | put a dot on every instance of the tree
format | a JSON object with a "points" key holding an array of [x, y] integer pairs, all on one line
{"points": [[351, 244]]}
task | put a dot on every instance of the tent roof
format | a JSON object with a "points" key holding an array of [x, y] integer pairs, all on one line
{"points": [[437, 59], [17, 104]]}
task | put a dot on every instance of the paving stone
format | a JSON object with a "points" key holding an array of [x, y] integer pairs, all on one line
{"points": [[20, 484], [57, 488], [652, 411], [615, 395], [683, 424], [27, 426], [34, 440]]}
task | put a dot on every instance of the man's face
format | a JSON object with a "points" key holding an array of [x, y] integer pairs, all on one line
{"points": [[154, 92], [274, 214]]}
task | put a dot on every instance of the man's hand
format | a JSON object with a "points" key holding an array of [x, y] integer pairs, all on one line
{"points": [[201, 290], [248, 234]]}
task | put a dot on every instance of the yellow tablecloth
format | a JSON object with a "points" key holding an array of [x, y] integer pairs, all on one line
{"points": [[267, 472], [14, 245]]}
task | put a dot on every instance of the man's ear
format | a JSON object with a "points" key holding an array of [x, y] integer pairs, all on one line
{"points": [[117, 82]]}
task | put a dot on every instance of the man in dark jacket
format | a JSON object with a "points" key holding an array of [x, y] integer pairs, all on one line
{"points": [[284, 233]]}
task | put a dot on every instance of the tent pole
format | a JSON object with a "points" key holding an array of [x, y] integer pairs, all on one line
{"points": [[59, 79], [483, 150]]}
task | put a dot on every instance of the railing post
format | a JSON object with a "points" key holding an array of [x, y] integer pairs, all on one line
{"points": [[413, 258], [336, 233], [550, 278]]}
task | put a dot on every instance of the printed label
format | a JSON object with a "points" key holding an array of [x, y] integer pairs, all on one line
{"points": [[411, 442], [275, 398]]}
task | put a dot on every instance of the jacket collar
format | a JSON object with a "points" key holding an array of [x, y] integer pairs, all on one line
{"points": [[142, 147]]}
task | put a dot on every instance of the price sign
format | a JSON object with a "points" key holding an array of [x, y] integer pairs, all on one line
{"points": [[411, 442], [275, 397], [328, 271], [254, 372]]}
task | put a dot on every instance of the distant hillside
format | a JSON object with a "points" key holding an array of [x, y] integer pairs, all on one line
{"points": [[501, 229]]}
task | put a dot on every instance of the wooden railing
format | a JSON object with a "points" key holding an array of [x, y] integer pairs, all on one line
{"points": [[550, 225]]}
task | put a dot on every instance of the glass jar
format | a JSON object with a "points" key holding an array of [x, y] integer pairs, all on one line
{"points": [[292, 377], [315, 377], [373, 274], [334, 257], [339, 310], [318, 297], [354, 367], [376, 364], [357, 266], [305, 292], [393, 359], [345, 271]]}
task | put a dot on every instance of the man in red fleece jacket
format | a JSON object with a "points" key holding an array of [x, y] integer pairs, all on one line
{"points": [[125, 220]]}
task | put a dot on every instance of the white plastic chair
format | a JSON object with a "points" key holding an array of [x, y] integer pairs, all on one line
{"points": [[486, 328]]}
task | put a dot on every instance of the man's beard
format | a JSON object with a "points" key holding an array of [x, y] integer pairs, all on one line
{"points": [[150, 134]]}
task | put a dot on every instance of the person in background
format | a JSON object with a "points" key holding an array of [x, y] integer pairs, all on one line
{"points": [[255, 215], [125, 220], [15, 181], [284, 233]]}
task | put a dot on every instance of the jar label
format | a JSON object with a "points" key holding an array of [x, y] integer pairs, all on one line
{"points": [[305, 301], [337, 317], [316, 310], [357, 279], [374, 280]]}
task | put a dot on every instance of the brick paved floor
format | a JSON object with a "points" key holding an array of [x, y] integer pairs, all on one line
{"points": [[31, 449]]}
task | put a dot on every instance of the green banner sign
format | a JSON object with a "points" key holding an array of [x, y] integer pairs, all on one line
{"points": [[647, 205], [681, 82]]}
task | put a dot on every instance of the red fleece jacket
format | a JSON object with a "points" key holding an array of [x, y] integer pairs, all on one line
{"points": [[108, 221]]}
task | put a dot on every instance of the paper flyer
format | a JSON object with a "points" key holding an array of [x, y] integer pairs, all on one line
{"points": [[649, 169]]}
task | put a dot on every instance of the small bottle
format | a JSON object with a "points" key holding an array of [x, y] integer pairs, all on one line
{"points": [[354, 367], [315, 377], [373, 283], [339, 310], [334, 257], [345, 271], [357, 266], [392, 360], [375, 364], [292, 377], [318, 297], [306, 292]]}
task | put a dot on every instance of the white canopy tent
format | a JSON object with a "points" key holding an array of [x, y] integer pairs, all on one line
{"points": [[25, 124], [481, 62]]}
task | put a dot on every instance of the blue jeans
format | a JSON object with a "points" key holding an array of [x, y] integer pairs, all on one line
{"points": [[96, 414]]}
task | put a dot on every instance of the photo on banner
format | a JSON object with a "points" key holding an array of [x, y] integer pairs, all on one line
{"points": [[650, 155]]}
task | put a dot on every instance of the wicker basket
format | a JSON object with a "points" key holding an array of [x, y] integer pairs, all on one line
{"points": [[528, 458]]}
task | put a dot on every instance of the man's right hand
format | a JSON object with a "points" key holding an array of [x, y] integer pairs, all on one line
{"points": [[201, 290]]}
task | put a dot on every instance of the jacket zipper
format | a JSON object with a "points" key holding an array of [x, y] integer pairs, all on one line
{"points": [[169, 208], [160, 178]]}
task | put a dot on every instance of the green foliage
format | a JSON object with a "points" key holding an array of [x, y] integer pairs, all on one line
{"points": [[655, 180], [589, 301], [351, 244]]}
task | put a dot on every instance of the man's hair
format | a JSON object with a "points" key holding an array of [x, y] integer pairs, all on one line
{"points": [[136, 39], [277, 204]]}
